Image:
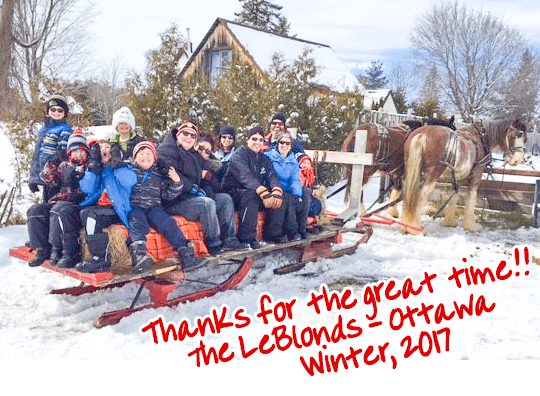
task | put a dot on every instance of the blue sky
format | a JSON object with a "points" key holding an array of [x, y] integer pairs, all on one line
{"points": [[358, 31]]}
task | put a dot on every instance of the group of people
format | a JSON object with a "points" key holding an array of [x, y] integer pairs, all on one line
{"points": [[132, 181]]}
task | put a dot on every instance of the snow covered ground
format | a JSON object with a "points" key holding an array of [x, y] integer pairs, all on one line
{"points": [[48, 342]]}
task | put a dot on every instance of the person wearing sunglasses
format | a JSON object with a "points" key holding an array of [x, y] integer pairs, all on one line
{"points": [[278, 126], [287, 170], [51, 143], [251, 181], [125, 138], [211, 184], [226, 145], [178, 150]]}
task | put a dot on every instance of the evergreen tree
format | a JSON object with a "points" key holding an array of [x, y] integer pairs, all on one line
{"points": [[519, 98], [429, 96], [400, 101], [374, 78], [156, 99], [264, 15]]}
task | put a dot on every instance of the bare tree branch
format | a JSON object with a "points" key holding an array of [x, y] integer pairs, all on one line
{"points": [[474, 52]]}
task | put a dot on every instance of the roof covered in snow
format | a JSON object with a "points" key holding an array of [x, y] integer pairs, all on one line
{"points": [[262, 45]]}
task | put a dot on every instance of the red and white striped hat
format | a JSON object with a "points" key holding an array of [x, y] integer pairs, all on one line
{"points": [[145, 144]]}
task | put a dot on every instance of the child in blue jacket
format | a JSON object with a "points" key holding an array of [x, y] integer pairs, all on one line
{"points": [[51, 142]]}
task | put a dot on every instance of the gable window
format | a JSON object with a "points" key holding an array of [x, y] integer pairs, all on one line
{"points": [[220, 60]]}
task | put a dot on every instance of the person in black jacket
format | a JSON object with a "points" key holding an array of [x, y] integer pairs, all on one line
{"points": [[178, 150], [251, 182], [54, 226], [155, 182], [211, 184]]}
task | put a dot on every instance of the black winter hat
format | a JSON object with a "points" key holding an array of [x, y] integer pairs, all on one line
{"points": [[256, 130], [279, 116], [58, 100], [227, 130]]}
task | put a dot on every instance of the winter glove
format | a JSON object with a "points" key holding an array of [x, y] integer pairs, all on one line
{"points": [[55, 162], [277, 194], [162, 166], [76, 174], [263, 193], [95, 164], [33, 187], [116, 157]]}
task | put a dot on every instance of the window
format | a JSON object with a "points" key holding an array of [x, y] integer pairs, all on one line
{"points": [[219, 61]]}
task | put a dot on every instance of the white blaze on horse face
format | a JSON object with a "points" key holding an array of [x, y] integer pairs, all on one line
{"points": [[516, 154]]}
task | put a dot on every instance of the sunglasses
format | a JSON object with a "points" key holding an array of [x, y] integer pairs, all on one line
{"points": [[203, 150], [56, 110], [227, 137], [256, 139], [285, 143], [191, 135], [277, 123]]}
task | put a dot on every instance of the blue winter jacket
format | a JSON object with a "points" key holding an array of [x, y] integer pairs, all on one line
{"points": [[287, 170], [119, 184], [51, 141]]}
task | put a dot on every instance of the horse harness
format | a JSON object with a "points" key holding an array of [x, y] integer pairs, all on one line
{"points": [[383, 149], [452, 146]]}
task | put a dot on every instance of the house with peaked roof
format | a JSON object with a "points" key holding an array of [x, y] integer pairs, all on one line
{"points": [[375, 96], [256, 48]]}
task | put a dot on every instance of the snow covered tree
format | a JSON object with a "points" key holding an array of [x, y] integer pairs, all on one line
{"points": [[264, 15], [156, 99]]}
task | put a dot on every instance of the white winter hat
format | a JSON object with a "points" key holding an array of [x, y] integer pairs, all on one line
{"points": [[123, 115]]}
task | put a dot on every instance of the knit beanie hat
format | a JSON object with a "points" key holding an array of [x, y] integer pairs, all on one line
{"points": [[255, 130], [123, 115], [145, 144], [77, 141], [307, 176], [187, 126], [279, 116], [58, 100], [227, 130]]}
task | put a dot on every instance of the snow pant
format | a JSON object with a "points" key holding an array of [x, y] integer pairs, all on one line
{"points": [[297, 213], [248, 204], [54, 226], [203, 211], [225, 215], [94, 220], [140, 221]]}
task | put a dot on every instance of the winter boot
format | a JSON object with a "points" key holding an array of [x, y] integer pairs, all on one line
{"points": [[56, 254], [71, 253], [99, 260], [141, 261], [186, 254], [232, 243], [41, 255]]}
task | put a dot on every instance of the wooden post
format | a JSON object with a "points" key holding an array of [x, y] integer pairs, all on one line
{"points": [[357, 178]]}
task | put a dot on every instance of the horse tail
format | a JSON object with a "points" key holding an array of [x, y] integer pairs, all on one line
{"points": [[413, 174]]}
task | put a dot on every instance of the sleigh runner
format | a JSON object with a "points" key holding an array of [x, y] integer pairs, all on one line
{"points": [[166, 282]]}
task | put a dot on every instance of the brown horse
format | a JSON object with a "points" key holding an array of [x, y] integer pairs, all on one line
{"points": [[436, 153], [386, 145]]}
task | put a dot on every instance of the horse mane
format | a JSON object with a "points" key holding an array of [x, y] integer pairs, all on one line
{"points": [[495, 130], [447, 123]]}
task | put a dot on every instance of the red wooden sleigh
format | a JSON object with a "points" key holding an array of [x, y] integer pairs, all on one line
{"points": [[166, 278]]}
